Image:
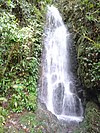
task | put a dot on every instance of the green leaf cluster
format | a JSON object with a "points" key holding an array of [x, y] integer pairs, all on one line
{"points": [[83, 21], [21, 29]]}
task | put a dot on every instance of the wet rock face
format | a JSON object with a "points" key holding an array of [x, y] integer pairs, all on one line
{"points": [[73, 57], [77, 105], [73, 68], [72, 88], [58, 95], [50, 124], [42, 91]]}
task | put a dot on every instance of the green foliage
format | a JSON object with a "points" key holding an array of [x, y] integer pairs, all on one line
{"points": [[92, 118], [3, 115], [82, 18], [91, 123], [21, 28], [30, 121], [91, 66]]}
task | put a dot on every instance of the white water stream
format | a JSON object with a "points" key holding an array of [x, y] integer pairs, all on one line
{"points": [[59, 93]]}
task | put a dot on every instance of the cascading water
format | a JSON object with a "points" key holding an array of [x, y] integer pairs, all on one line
{"points": [[58, 91]]}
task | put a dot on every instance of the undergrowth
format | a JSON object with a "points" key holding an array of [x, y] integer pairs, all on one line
{"points": [[21, 28]]}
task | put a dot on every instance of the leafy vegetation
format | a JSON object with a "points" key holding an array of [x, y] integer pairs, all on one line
{"points": [[91, 123], [30, 120], [25, 122], [82, 18], [21, 28]]}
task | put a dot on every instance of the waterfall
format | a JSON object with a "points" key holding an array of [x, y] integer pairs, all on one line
{"points": [[58, 92]]}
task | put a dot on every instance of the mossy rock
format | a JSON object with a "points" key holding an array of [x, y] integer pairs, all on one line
{"points": [[91, 123], [92, 118]]}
